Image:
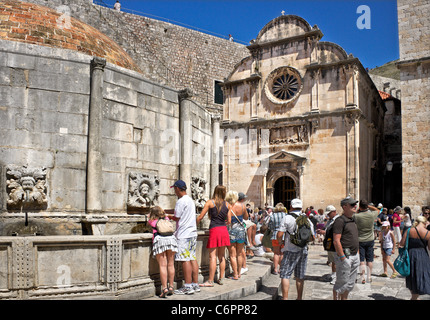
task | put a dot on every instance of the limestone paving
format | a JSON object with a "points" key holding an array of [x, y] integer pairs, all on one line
{"points": [[259, 284]]}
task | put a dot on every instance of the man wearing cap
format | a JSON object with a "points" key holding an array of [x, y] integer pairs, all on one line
{"points": [[295, 258], [186, 234], [345, 240], [331, 213], [365, 219]]}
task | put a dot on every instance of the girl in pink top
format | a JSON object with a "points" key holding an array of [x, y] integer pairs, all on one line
{"points": [[396, 224], [164, 249]]}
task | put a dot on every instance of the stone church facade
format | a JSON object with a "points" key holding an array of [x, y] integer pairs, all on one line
{"points": [[302, 118]]}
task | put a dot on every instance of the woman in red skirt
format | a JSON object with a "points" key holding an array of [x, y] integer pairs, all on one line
{"points": [[219, 238]]}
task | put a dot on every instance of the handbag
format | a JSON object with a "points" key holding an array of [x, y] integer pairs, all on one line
{"points": [[164, 227], [267, 239], [402, 263]]}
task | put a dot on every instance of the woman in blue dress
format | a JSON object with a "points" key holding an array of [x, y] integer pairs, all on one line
{"points": [[418, 282]]}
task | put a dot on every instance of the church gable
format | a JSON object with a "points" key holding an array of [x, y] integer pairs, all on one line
{"points": [[283, 27]]}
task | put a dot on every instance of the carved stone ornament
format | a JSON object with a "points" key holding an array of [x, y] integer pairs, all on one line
{"points": [[289, 135], [143, 190], [198, 188], [26, 187]]}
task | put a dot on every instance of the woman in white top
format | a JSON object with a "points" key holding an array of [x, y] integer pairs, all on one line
{"points": [[407, 222], [387, 240]]}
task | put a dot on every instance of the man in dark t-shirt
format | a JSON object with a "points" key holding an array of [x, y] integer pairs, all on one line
{"points": [[345, 240]]}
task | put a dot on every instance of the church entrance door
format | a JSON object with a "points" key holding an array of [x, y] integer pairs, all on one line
{"points": [[284, 191]]}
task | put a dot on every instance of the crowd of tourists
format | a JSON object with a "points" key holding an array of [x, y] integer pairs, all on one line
{"points": [[284, 237]]}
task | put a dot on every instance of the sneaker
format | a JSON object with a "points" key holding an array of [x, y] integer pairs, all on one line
{"points": [[185, 290], [243, 270], [196, 287]]}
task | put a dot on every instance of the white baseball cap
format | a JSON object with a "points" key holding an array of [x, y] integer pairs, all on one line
{"points": [[296, 204], [329, 209]]}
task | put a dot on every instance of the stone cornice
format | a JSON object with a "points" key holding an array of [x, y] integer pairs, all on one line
{"points": [[412, 62], [253, 77], [311, 34], [305, 117]]}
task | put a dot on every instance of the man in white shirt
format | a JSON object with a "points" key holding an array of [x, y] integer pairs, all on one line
{"points": [[186, 234], [295, 258], [117, 6]]}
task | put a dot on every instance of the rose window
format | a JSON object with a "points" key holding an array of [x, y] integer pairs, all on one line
{"points": [[283, 85]]}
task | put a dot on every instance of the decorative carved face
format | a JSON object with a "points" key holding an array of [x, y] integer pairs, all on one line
{"points": [[144, 189], [28, 183]]}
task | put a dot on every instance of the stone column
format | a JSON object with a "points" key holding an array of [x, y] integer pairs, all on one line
{"points": [[269, 196], [94, 156], [314, 91], [215, 153], [186, 131]]}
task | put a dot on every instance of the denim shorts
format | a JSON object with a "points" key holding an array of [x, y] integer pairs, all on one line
{"points": [[366, 251], [387, 251]]}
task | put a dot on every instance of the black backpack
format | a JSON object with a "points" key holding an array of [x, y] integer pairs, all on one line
{"points": [[303, 233], [328, 238]]}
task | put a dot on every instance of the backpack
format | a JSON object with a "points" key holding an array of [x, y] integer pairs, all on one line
{"points": [[303, 233], [328, 243], [164, 227], [328, 239]]}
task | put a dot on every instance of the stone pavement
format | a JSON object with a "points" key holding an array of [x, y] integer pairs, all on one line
{"points": [[259, 284]]}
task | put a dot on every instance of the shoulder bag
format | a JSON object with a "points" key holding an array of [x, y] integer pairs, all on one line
{"points": [[402, 263]]}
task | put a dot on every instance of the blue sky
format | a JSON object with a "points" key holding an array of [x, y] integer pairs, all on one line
{"points": [[337, 19]]}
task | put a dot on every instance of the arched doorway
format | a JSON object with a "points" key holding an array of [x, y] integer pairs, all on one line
{"points": [[284, 191]]}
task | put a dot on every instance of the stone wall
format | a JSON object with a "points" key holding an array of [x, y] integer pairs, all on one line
{"points": [[85, 267], [46, 98], [414, 65], [167, 53]]}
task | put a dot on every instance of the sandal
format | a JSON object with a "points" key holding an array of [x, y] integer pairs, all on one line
{"points": [[220, 281], [170, 291], [394, 275], [207, 284], [233, 278], [164, 293]]}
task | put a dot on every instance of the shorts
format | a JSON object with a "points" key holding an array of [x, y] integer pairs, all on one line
{"points": [[346, 273], [275, 243], [366, 251], [330, 256], [294, 261], [218, 237], [387, 251], [186, 249], [248, 224]]}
